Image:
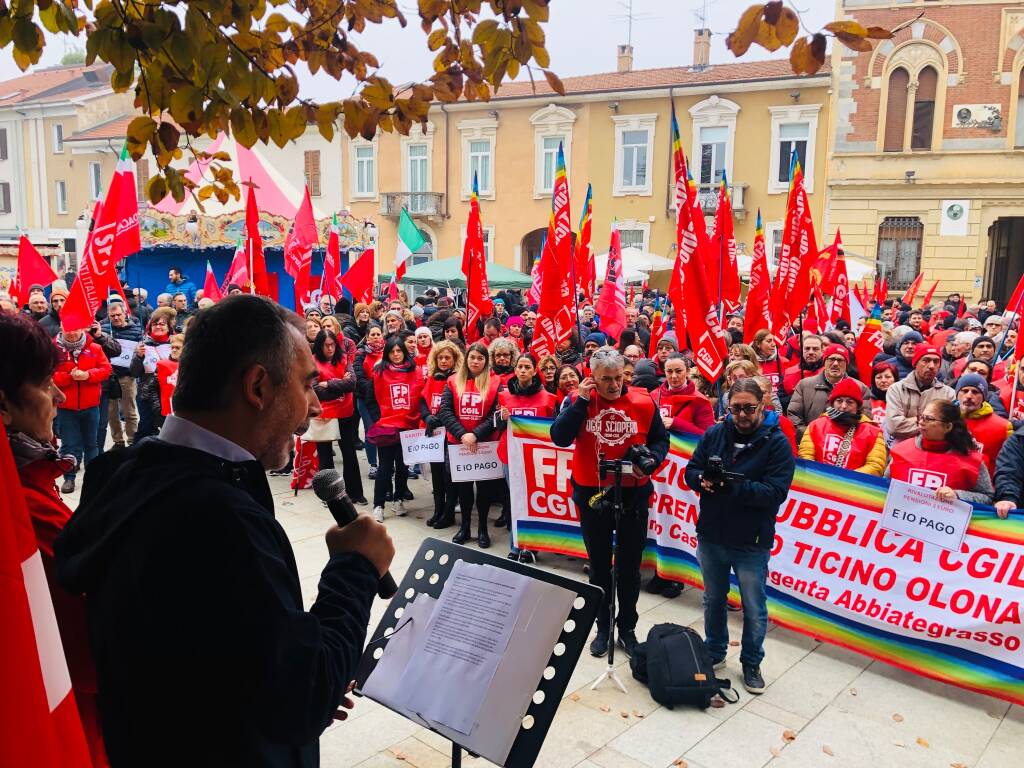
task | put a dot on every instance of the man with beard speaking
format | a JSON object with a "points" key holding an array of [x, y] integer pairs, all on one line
{"points": [[204, 654], [608, 421]]}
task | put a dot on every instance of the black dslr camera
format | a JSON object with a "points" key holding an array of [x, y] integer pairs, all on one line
{"points": [[716, 473], [643, 458]]}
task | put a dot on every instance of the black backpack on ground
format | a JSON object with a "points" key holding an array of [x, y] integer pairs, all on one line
{"points": [[675, 665]]}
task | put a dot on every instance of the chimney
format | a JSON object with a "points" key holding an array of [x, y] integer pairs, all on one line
{"points": [[626, 58], [701, 48]]}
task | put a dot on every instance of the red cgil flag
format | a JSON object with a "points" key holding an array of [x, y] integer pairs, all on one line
{"points": [[823, 273], [555, 315], [39, 720], [931, 292], [305, 465], [358, 278], [688, 289], [474, 267], [32, 270], [908, 297], [332, 261], [238, 271], [792, 288], [611, 304], [298, 249], [723, 253], [757, 317], [115, 236], [840, 289], [210, 288], [585, 270], [256, 263], [869, 344]]}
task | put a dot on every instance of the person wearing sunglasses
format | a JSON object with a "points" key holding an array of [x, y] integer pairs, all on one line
{"points": [[736, 524], [944, 457]]}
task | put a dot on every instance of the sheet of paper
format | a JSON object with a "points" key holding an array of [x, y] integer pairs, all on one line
{"points": [[127, 352], [463, 644]]}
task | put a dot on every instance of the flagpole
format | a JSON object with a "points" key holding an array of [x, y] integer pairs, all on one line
{"points": [[721, 269]]}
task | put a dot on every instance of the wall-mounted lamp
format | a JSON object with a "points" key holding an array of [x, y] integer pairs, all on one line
{"points": [[910, 176], [794, 95], [614, 107]]}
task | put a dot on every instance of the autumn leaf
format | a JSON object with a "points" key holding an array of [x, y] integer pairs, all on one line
{"points": [[879, 33], [807, 55], [739, 40], [846, 28], [554, 82], [923, 742]]}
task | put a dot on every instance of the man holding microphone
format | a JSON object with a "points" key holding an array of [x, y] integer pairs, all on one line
{"points": [[608, 422], [204, 653]]}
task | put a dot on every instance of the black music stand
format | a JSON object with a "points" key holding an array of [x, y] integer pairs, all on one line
{"points": [[428, 562]]}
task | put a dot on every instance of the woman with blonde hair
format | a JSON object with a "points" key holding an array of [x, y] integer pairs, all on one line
{"points": [[445, 359], [467, 410], [743, 352]]}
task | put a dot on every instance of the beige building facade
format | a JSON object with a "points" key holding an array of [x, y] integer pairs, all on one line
{"points": [[742, 119], [926, 164]]}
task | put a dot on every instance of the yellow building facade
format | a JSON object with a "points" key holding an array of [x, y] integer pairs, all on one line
{"points": [[742, 119]]}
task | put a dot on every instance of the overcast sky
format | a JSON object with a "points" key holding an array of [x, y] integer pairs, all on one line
{"points": [[582, 36]]}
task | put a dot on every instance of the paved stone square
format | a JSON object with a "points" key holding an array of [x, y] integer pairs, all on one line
{"points": [[824, 706]]}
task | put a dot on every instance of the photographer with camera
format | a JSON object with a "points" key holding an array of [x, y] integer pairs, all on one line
{"points": [[613, 428], [742, 468]]}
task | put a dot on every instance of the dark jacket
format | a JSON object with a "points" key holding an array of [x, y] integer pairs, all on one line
{"points": [[131, 332], [743, 514], [1009, 480], [148, 391], [451, 422], [50, 322], [196, 613], [645, 374]]}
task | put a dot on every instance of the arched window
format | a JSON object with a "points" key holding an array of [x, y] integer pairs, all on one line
{"points": [[896, 110], [924, 109]]}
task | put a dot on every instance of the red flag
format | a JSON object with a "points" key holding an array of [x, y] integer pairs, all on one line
{"points": [[931, 292], [810, 321], [757, 316], [792, 288], [39, 721], [1014, 304], [824, 270], [885, 289], [869, 344], [688, 289], [332, 262], [257, 265], [555, 316], [820, 310], [114, 236], [723, 252], [840, 290], [474, 267], [210, 288], [32, 270], [961, 308], [657, 326], [358, 279], [585, 270], [533, 294], [305, 465], [908, 297], [611, 304], [238, 271], [298, 249]]}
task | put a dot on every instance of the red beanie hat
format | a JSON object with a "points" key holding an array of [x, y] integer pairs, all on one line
{"points": [[837, 349], [847, 387], [924, 350]]}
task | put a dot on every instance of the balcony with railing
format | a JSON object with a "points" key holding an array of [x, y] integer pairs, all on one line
{"points": [[707, 195], [419, 204]]}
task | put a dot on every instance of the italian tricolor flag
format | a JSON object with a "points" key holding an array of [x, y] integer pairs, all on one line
{"points": [[410, 240]]}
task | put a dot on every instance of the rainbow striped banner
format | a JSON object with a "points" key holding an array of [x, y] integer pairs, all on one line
{"points": [[835, 573]]}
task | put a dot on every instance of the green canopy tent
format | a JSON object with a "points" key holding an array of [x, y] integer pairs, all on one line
{"points": [[447, 273]]}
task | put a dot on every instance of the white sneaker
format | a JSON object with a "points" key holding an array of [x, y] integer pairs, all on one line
{"points": [[378, 514], [399, 508]]}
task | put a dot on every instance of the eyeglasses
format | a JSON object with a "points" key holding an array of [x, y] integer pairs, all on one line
{"points": [[930, 420], [750, 410]]}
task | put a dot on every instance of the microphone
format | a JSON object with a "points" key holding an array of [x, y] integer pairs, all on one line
{"points": [[330, 489]]}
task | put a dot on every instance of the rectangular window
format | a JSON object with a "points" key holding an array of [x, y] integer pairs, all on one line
{"points": [[632, 238], [365, 173], [419, 180], [141, 180], [311, 168], [634, 158], [95, 181], [480, 164], [793, 137], [5, 197], [899, 249], [62, 196], [773, 241], [712, 153], [549, 161], [489, 244], [58, 138], [3, 143]]}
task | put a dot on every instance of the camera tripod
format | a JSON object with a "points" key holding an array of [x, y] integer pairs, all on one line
{"points": [[616, 467]]}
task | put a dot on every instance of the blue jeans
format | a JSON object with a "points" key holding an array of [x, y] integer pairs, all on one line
{"points": [[751, 567], [370, 450], [78, 434]]}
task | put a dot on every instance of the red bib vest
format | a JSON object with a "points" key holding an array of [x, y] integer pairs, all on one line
{"points": [[828, 436], [167, 377], [472, 406], [934, 469], [540, 404], [433, 388], [342, 407], [878, 411], [991, 431], [611, 427], [398, 396]]}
